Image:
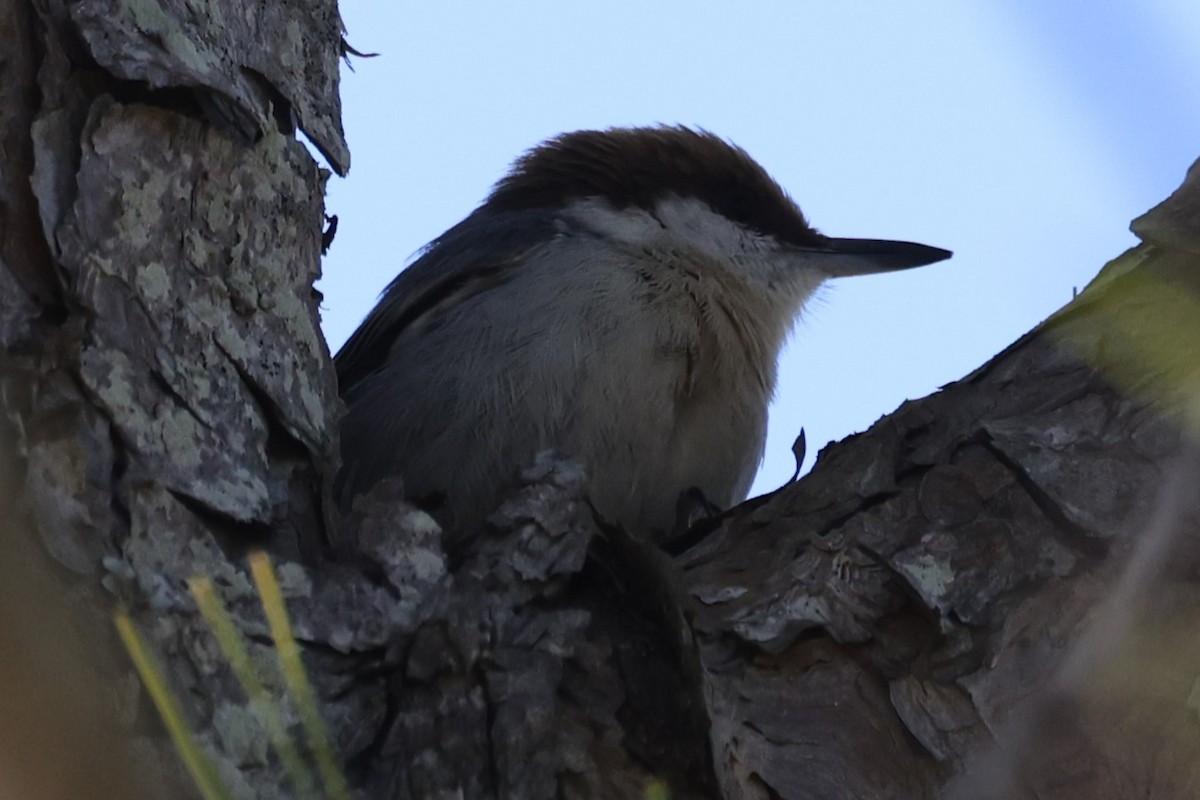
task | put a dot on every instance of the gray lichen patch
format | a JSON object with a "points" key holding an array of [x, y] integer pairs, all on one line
{"points": [[69, 463], [219, 49], [931, 577], [175, 352], [241, 734]]}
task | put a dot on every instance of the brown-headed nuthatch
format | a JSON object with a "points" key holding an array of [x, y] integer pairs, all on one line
{"points": [[621, 297]]}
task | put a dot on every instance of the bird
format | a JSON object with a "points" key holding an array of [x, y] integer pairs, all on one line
{"points": [[620, 297]]}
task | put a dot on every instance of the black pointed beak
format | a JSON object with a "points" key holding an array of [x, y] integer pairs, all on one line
{"points": [[844, 257]]}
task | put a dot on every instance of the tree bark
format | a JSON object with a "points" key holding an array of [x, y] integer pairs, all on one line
{"points": [[992, 593], [170, 392]]}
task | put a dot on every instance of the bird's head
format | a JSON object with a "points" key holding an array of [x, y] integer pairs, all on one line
{"points": [[678, 187]]}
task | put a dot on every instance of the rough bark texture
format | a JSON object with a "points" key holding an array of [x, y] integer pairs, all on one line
{"points": [[161, 228], [991, 593]]}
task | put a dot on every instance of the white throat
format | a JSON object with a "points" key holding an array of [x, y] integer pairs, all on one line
{"points": [[779, 276]]}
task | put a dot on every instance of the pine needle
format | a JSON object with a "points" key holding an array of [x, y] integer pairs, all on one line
{"points": [[198, 765], [296, 678]]}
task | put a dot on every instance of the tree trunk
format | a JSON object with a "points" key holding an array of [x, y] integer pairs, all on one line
{"points": [[992, 593]]}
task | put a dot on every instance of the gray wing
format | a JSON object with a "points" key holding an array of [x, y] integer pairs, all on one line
{"points": [[474, 256], [406, 374]]}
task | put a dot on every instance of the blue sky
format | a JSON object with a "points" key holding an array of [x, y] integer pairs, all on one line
{"points": [[1023, 135]]}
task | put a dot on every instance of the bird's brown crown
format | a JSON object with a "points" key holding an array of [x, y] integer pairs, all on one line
{"points": [[638, 167]]}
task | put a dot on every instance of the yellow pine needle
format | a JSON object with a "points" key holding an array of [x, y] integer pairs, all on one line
{"points": [[295, 676], [657, 790], [198, 765], [234, 648]]}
